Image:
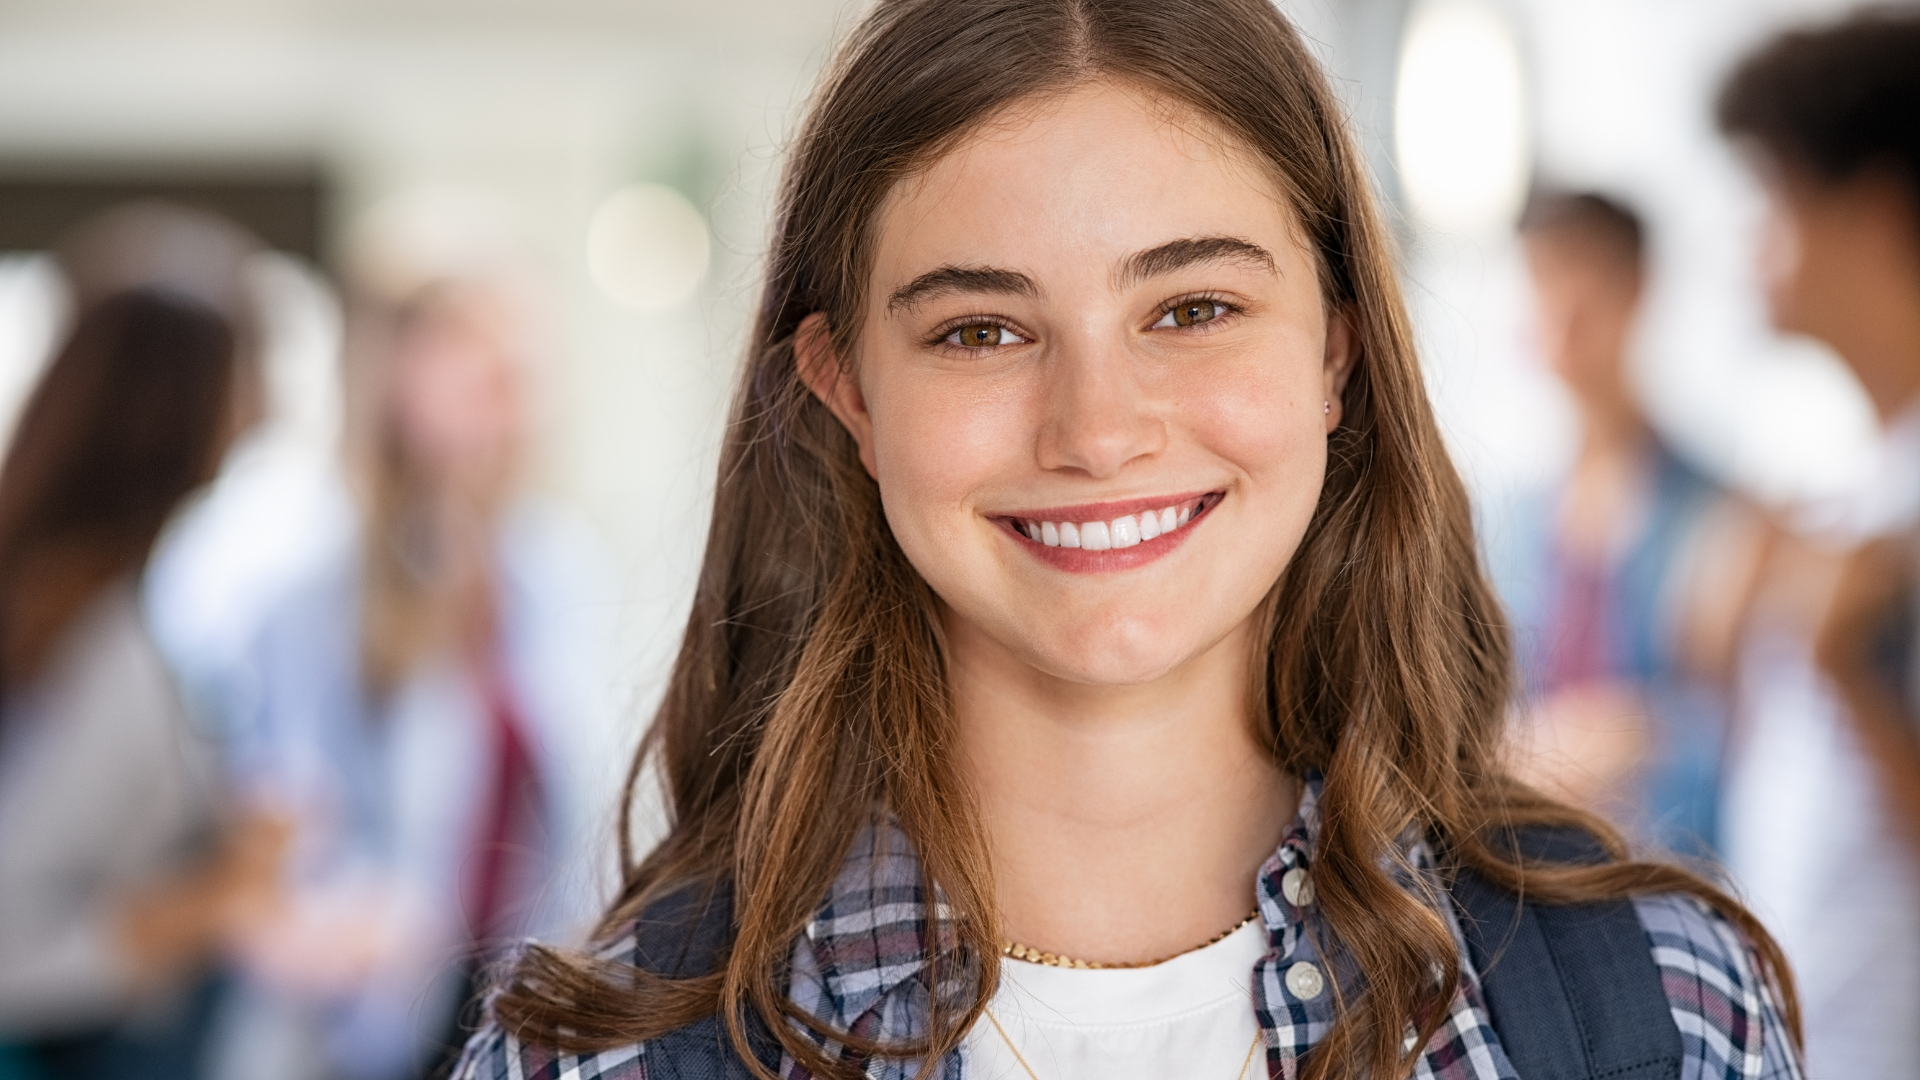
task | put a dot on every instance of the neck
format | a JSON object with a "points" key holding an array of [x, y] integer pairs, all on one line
{"points": [[453, 591], [1599, 510], [1611, 431], [1125, 823]]}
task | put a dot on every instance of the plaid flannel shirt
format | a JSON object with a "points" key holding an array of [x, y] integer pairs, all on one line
{"points": [[860, 968]]}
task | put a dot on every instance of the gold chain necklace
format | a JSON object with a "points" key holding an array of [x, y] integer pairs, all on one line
{"points": [[1238, 1074], [1034, 956]]}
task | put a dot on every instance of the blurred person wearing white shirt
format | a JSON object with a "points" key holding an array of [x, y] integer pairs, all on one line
{"points": [[1829, 799]]}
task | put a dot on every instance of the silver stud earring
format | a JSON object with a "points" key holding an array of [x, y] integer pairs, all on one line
{"points": [[1326, 407]]}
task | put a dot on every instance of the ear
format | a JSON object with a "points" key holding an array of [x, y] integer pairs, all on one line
{"points": [[1343, 349], [820, 369]]}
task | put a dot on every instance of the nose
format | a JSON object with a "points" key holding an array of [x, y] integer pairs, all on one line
{"points": [[1099, 416]]}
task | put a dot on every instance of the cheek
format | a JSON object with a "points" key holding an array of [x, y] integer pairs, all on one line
{"points": [[934, 445], [1267, 419], [1783, 266]]}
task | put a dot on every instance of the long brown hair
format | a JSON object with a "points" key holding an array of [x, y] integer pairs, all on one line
{"points": [[131, 416], [810, 684]]}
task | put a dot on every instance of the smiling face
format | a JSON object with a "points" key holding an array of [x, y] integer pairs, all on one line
{"points": [[1095, 381]]}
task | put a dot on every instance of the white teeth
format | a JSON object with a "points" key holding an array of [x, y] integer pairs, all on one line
{"points": [[1121, 532]]}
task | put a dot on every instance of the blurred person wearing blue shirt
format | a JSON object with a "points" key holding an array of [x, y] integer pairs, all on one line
{"points": [[1614, 578], [432, 703]]}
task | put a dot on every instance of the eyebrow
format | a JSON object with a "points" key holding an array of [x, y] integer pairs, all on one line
{"points": [[1140, 266], [961, 279], [1180, 254]]}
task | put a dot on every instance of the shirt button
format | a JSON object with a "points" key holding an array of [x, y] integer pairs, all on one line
{"points": [[1305, 981], [1297, 887]]}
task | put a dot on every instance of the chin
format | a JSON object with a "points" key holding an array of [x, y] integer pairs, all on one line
{"points": [[1108, 642], [1112, 659]]}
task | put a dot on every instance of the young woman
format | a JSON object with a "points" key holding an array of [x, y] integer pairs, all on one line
{"points": [[124, 872], [1091, 674], [425, 699]]}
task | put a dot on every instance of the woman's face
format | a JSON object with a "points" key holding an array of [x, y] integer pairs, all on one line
{"points": [[457, 385], [1093, 383]]}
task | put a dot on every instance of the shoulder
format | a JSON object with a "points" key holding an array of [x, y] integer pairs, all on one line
{"points": [[330, 583], [1729, 1022], [108, 677], [683, 934], [111, 633], [495, 1054], [550, 551], [308, 632]]}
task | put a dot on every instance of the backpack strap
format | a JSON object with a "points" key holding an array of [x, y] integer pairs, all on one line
{"points": [[685, 934], [1572, 990]]}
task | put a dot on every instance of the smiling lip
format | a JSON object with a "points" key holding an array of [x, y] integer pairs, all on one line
{"points": [[1119, 535]]}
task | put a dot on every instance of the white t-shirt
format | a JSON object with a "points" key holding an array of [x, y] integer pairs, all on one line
{"points": [[1190, 1017]]}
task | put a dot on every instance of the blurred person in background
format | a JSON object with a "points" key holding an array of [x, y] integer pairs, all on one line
{"points": [[123, 871], [1829, 119], [1610, 579], [432, 704]]}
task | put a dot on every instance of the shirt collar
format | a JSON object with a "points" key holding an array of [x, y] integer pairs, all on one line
{"points": [[866, 940], [869, 937]]}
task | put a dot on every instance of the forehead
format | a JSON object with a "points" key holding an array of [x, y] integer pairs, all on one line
{"points": [[1095, 172]]}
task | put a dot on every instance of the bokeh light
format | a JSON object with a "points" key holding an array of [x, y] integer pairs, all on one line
{"points": [[1460, 118], [648, 247]]}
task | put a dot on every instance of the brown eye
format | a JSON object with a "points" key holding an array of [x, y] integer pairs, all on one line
{"points": [[1196, 311], [983, 336]]}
